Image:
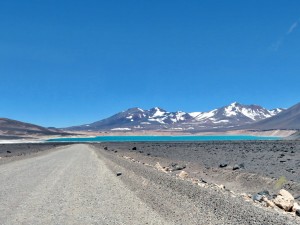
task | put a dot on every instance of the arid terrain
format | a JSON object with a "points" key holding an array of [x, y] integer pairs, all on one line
{"points": [[175, 183]]}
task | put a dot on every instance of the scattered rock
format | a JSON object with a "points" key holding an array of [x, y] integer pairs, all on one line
{"points": [[195, 181], [116, 151], [224, 164], [141, 151], [268, 202], [134, 148], [298, 212], [247, 197], [221, 186], [259, 197], [284, 200], [119, 174], [264, 193], [183, 174], [175, 167], [8, 151], [159, 167], [238, 166], [148, 154], [203, 181], [105, 148], [166, 169]]}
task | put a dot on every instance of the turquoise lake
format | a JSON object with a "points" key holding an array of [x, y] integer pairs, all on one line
{"points": [[163, 138]]}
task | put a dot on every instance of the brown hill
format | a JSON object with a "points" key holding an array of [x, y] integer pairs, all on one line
{"points": [[13, 129]]}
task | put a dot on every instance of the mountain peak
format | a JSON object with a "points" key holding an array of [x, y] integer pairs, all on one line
{"points": [[157, 109], [134, 109], [235, 104]]}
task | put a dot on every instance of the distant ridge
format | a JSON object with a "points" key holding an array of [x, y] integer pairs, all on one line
{"points": [[289, 120], [135, 119], [12, 129]]}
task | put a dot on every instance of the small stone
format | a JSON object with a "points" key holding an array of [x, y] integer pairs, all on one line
{"points": [[175, 167], [238, 166], [8, 151], [195, 181], [221, 186], [161, 168], [201, 184], [134, 148], [119, 174], [264, 193], [167, 169], [298, 212], [105, 148], [257, 197], [203, 181], [183, 174], [222, 165]]}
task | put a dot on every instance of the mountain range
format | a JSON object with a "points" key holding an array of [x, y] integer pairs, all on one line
{"points": [[235, 116], [227, 117]]}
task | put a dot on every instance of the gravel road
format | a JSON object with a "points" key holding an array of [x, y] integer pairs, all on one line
{"points": [[69, 186], [78, 185]]}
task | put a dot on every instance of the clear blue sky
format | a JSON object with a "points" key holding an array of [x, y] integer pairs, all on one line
{"points": [[71, 62]]}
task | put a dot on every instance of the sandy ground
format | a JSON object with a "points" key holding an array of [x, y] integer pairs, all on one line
{"points": [[78, 184]]}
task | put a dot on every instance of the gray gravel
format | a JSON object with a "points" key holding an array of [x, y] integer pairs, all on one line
{"points": [[69, 186], [185, 203], [263, 162]]}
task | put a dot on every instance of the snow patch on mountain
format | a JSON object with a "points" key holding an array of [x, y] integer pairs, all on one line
{"points": [[121, 129]]}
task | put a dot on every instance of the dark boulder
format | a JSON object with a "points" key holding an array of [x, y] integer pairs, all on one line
{"points": [[176, 166], [238, 166], [223, 165]]}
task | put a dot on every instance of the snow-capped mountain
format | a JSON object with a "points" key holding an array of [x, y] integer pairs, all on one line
{"points": [[234, 114], [157, 118]]}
